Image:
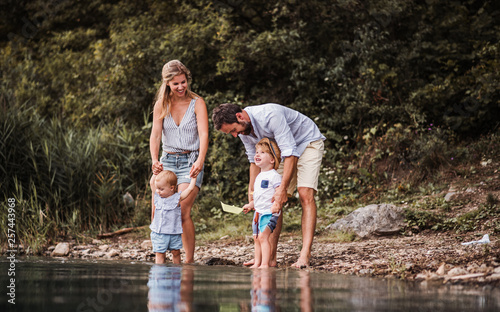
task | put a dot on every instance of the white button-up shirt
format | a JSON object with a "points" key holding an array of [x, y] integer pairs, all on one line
{"points": [[292, 130]]}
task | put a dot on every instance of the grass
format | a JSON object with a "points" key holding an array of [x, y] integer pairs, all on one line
{"points": [[232, 227]]}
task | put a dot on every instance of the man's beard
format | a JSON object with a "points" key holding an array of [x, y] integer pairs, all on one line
{"points": [[248, 127]]}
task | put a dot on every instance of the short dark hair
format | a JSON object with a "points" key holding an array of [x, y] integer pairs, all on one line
{"points": [[225, 114]]}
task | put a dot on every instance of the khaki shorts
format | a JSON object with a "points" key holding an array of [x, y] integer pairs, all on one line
{"points": [[308, 166]]}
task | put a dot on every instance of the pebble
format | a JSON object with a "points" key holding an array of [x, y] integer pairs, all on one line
{"points": [[61, 250], [147, 245], [457, 271], [441, 270], [112, 253]]}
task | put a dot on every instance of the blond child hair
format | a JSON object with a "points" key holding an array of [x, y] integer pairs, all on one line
{"points": [[271, 147]]}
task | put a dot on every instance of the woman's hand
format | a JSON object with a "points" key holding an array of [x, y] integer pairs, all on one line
{"points": [[196, 168], [157, 167]]}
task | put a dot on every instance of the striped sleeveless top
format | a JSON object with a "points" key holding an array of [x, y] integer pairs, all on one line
{"points": [[184, 137]]}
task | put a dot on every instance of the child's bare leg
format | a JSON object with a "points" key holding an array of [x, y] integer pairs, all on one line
{"points": [[176, 256], [160, 258], [258, 254], [265, 248]]}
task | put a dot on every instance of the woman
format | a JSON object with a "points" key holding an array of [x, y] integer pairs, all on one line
{"points": [[180, 123]]}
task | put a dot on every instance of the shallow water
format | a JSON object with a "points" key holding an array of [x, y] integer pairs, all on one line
{"points": [[44, 284]]}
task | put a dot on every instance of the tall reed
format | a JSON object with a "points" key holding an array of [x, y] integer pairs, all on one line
{"points": [[66, 180]]}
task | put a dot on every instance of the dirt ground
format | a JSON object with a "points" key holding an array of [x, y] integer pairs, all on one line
{"points": [[425, 256]]}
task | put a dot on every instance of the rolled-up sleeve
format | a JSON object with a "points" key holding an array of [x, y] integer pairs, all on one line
{"points": [[278, 125], [291, 129], [249, 148]]}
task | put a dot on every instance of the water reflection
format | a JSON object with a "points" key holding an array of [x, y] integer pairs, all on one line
{"points": [[305, 291], [170, 288], [44, 284], [263, 294]]}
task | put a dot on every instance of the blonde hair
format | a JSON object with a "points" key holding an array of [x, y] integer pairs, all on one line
{"points": [[167, 176], [269, 146], [170, 70]]}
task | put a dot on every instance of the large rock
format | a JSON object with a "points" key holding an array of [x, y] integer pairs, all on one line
{"points": [[61, 250], [381, 219]]}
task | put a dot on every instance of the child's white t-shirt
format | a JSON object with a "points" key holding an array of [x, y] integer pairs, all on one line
{"points": [[263, 190]]}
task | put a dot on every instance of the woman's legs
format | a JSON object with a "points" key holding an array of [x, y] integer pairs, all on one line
{"points": [[188, 235], [153, 189]]}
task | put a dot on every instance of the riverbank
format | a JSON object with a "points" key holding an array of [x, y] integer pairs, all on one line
{"points": [[428, 248], [429, 257]]}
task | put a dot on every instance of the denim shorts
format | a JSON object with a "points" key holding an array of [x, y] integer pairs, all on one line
{"points": [[264, 220], [163, 242], [179, 164]]}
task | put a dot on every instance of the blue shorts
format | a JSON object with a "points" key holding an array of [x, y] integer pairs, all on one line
{"points": [[163, 242], [264, 220], [179, 164]]}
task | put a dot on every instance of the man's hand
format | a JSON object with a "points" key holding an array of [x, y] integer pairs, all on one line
{"points": [[275, 208], [279, 199]]}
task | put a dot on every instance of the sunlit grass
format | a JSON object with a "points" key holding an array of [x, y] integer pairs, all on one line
{"points": [[236, 229]]}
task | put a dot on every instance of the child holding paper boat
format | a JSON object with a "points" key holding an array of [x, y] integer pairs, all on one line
{"points": [[267, 158]]}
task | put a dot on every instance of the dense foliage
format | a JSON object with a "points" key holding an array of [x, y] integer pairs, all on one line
{"points": [[79, 78]]}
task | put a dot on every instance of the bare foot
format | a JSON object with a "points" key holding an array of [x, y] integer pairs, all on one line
{"points": [[300, 264], [251, 263], [264, 266], [255, 266]]}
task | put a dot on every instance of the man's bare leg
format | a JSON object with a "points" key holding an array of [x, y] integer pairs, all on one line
{"points": [[308, 203]]}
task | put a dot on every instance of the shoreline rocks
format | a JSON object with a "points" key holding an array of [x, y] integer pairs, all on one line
{"points": [[416, 258]]}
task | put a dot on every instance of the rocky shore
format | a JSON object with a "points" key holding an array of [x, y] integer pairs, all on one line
{"points": [[423, 257]]}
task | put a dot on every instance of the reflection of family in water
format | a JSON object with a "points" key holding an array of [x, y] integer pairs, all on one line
{"points": [[264, 294], [263, 291], [170, 288]]}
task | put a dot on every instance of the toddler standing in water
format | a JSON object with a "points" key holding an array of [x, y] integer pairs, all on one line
{"points": [[166, 220], [267, 158]]}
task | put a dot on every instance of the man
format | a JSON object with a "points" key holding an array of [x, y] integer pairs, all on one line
{"points": [[301, 145]]}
